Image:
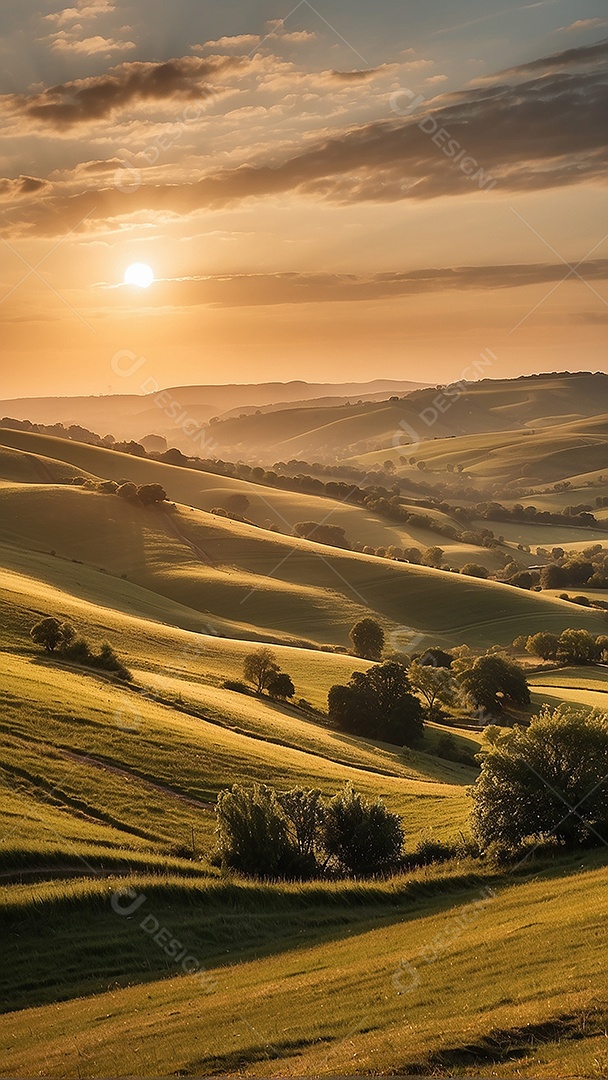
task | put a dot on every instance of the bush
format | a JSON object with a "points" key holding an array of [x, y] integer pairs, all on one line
{"points": [[550, 779], [363, 837], [280, 686], [543, 645], [52, 634], [432, 851], [577, 647], [253, 832], [151, 494], [236, 685], [295, 834], [59, 637], [475, 570], [107, 660]]}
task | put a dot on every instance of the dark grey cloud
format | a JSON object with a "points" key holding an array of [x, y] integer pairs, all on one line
{"points": [[82, 101], [580, 56]]}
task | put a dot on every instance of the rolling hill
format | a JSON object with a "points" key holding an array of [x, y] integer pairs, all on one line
{"points": [[136, 414], [108, 789], [245, 581]]}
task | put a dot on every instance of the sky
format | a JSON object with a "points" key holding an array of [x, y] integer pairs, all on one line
{"points": [[323, 191]]}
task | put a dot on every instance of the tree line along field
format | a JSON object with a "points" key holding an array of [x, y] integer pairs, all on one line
{"points": [[111, 786]]}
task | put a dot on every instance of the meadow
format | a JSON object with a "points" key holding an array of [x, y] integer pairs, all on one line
{"points": [[108, 844]]}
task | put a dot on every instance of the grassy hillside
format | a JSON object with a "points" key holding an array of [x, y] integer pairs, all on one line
{"points": [[494, 983], [108, 794], [540, 455], [239, 578], [487, 406], [206, 490], [135, 415]]}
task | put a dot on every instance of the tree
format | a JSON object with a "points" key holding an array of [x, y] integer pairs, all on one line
{"points": [[367, 637], [279, 685], [259, 668], [378, 704], [543, 644], [493, 680], [434, 684], [472, 569], [577, 647], [433, 556], [128, 491], [52, 634], [362, 836], [553, 576], [151, 494], [548, 779]]}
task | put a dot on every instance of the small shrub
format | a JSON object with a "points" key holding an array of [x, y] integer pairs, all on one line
{"points": [[236, 685], [51, 634]]}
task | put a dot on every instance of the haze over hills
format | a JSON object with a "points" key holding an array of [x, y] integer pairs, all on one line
{"points": [[428, 413], [135, 415]]}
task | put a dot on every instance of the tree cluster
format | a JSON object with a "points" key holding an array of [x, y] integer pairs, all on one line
{"points": [[60, 639], [570, 647], [298, 834], [261, 669]]}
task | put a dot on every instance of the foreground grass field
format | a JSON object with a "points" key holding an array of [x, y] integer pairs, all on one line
{"points": [[463, 981]]}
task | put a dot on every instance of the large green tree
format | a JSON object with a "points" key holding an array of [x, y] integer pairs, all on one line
{"points": [[549, 779], [495, 680], [378, 704]]}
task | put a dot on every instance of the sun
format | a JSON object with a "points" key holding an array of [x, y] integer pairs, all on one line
{"points": [[139, 274]]}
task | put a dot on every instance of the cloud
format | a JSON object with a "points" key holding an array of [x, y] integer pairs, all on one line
{"points": [[436, 79], [85, 9], [97, 98], [417, 65], [22, 185], [582, 24], [546, 132], [354, 76], [238, 41], [276, 29], [246, 290], [64, 41], [581, 56]]}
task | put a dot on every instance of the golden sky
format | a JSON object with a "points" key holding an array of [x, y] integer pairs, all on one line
{"points": [[322, 192]]}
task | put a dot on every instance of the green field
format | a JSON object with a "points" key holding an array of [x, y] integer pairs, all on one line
{"points": [[455, 968]]}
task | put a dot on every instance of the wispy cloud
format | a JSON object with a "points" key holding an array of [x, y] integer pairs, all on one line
{"points": [[64, 41], [583, 24], [237, 41], [245, 290]]}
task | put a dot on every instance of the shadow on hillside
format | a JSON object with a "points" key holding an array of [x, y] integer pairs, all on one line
{"points": [[235, 923]]}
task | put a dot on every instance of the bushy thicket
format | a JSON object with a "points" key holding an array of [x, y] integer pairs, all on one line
{"points": [[265, 833], [570, 647], [547, 780], [60, 638]]}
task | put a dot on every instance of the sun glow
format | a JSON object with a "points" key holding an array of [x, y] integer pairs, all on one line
{"points": [[139, 274]]}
